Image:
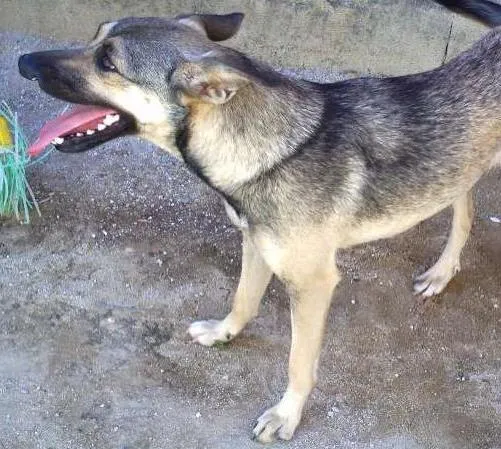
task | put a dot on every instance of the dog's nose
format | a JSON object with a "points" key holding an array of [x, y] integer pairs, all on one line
{"points": [[28, 67]]}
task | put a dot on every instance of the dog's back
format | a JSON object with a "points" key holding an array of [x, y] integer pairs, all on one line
{"points": [[393, 150]]}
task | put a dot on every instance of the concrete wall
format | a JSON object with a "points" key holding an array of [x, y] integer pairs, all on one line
{"points": [[379, 36]]}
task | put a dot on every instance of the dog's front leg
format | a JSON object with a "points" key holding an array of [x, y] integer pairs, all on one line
{"points": [[311, 295], [254, 279]]}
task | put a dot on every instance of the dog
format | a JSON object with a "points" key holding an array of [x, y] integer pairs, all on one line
{"points": [[304, 169]]}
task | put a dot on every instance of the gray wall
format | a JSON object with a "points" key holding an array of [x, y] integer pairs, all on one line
{"points": [[378, 36]]}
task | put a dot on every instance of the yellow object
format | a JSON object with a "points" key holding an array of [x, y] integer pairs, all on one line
{"points": [[5, 135]]}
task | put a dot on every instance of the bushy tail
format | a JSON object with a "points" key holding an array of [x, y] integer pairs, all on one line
{"points": [[484, 11]]}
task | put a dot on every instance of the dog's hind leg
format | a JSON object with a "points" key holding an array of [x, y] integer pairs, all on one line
{"points": [[311, 276], [254, 278], [437, 277]]}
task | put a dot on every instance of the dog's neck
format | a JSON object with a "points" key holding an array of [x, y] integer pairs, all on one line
{"points": [[229, 145]]}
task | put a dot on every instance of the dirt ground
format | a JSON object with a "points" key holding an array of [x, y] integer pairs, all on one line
{"points": [[97, 294]]}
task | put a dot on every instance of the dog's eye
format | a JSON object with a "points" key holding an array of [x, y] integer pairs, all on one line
{"points": [[107, 65], [105, 62]]}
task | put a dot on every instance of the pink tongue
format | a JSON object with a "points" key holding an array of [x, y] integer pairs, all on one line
{"points": [[75, 120]]}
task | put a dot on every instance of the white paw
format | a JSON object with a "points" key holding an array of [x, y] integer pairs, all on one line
{"points": [[209, 332], [276, 423], [435, 279]]}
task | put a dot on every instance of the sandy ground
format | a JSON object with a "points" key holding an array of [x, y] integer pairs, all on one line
{"points": [[96, 296]]}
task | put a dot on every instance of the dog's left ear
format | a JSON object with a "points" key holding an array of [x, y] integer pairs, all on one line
{"points": [[215, 27], [209, 81]]}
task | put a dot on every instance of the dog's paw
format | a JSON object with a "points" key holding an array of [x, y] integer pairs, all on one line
{"points": [[435, 279], [210, 332], [276, 423]]}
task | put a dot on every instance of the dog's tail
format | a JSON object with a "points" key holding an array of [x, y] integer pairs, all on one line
{"points": [[484, 11]]}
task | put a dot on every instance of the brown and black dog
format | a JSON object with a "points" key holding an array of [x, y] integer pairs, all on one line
{"points": [[303, 168]]}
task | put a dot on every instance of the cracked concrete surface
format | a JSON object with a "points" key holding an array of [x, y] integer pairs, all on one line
{"points": [[446, 49], [96, 296]]}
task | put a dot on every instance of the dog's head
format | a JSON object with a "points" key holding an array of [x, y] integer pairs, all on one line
{"points": [[137, 76]]}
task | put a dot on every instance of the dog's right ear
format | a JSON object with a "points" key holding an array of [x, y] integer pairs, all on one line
{"points": [[216, 27], [208, 81]]}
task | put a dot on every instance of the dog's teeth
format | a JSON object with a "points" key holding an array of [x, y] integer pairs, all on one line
{"points": [[79, 134], [90, 132], [57, 141], [110, 119], [101, 126]]}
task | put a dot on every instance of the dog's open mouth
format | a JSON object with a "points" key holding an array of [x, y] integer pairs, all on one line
{"points": [[82, 128]]}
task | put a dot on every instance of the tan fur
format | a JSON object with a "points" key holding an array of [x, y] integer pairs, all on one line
{"points": [[254, 279], [223, 154], [153, 120], [305, 261], [246, 136], [496, 160], [437, 277]]}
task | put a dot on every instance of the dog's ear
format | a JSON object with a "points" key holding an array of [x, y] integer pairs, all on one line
{"points": [[209, 81], [215, 27]]}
